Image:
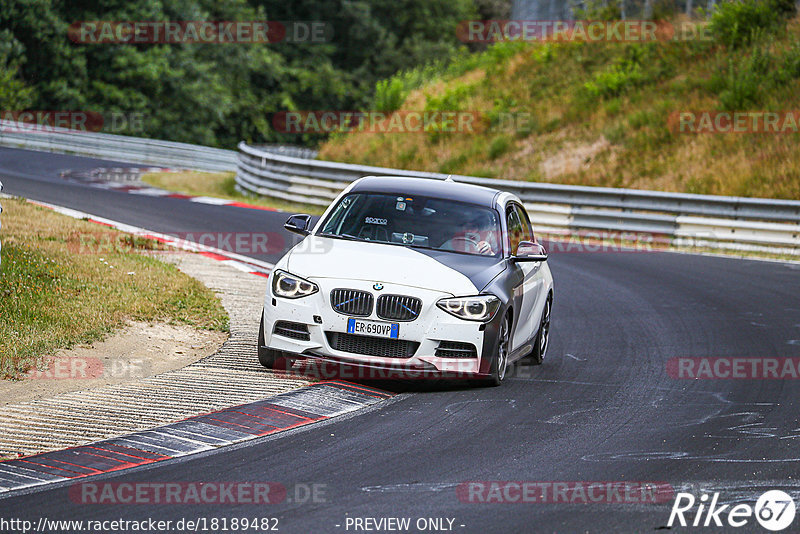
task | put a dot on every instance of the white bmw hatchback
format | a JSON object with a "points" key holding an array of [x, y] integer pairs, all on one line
{"points": [[431, 277]]}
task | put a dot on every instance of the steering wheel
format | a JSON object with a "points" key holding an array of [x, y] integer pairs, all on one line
{"points": [[466, 240]]}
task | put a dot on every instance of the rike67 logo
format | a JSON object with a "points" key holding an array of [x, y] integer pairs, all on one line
{"points": [[774, 510]]}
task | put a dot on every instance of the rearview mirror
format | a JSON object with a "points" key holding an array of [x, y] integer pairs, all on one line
{"points": [[530, 251], [299, 224]]}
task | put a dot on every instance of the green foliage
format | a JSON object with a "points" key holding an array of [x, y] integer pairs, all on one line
{"points": [[641, 118], [741, 86], [737, 23], [453, 99], [445, 68], [613, 81], [502, 115], [664, 9], [496, 56], [452, 165], [599, 10], [790, 68], [638, 64], [407, 157], [499, 146], [389, 95], [493, 9], [485, 172], [219, 94], [748, 80], [613, 106], [545, 53], [785, 8], [615, 133], [14, 94]]}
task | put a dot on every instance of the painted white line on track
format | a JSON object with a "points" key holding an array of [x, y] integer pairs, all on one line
{"points": [[238, 261]]}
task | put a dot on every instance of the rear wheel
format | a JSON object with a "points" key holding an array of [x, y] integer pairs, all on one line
{"points": [[543, 337], [271, 358]]}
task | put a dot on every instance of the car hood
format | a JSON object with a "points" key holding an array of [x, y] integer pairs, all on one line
{"points": [[459, 274]]}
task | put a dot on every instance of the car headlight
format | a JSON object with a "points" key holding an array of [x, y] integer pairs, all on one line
{"points": [[478, 308], [290, 286]]}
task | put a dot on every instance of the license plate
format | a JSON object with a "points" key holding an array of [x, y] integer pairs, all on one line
{"points": [[373, 328]]}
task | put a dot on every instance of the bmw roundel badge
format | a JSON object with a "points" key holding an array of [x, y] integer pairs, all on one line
{"points": [[377, 286]]}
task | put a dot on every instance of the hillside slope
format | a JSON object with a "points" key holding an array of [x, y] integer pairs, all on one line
{"points": [[608, 114]]}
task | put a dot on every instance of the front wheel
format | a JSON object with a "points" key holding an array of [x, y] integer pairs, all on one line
{"points": [[543, 337], [271, 358], [500, 360]]}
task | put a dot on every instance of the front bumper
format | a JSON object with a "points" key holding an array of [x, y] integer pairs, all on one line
{"points": [[432, 327]]}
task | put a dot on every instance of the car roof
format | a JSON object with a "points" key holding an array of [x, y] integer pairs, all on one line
{"points": [[428, 187]]}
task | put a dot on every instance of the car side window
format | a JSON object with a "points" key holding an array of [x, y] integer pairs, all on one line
{"points": [[526, 223], [515, 229]]}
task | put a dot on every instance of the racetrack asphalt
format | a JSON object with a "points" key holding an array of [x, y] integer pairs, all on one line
{"points": [[603, 407]]}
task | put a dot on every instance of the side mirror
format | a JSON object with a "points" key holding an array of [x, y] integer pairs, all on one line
{"points": [[529, 251], [299, 224]]}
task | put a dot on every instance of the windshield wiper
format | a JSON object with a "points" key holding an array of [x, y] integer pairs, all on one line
{"points": [[346, 237]]}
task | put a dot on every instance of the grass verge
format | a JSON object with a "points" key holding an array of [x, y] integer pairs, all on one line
{"points": [[64, 282], [220, 185]]}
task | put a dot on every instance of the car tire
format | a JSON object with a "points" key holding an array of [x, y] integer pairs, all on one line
{"points": [[543, 336], [497, 371], [271, 358]]}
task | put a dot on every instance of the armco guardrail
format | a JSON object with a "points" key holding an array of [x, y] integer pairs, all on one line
{"points": [[117, 147], [290, 173], [700, 220]]}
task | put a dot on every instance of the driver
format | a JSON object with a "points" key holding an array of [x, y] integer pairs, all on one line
{"points": [[485, 248], [482, 233]]}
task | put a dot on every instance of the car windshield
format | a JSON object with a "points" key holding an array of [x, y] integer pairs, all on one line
{"points": [[415, 221]]}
